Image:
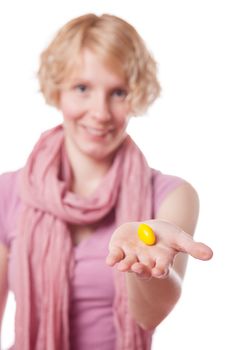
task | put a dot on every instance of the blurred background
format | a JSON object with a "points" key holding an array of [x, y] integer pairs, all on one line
{"points": [[187, 132]]}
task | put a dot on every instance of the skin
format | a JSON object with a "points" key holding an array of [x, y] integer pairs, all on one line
{"points": [[97, 103], [96, 113], [155, 286]]}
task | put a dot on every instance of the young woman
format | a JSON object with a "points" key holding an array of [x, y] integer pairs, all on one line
{"points": [[69, 246]]}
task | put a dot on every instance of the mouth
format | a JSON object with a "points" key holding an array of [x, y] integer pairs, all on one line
{"points": [[97, 131]]}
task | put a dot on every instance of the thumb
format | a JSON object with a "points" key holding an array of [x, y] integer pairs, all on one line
{"points": [[197, 250]]}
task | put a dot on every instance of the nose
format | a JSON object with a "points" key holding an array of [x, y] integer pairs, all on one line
{"points": [[101, 108]]}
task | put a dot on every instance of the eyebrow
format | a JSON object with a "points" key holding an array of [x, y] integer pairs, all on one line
{"points": [[84, 81]]}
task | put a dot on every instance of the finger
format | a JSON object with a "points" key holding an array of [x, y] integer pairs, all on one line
{"points": [[146, 260], [127, 262], [115, 255], [162, 267], [157, 273], [142, 271], [198, 250], [202, 251]]}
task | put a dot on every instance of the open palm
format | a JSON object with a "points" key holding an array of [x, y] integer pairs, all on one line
{"points": [[133, 255]]}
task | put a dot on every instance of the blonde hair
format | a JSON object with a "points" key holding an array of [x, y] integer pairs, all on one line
{"points": [[116, 42]]}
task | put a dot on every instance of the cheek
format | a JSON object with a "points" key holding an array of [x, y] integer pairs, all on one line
{"points": [[70, 112], [123, 120], [124, 124], [69, 108]]}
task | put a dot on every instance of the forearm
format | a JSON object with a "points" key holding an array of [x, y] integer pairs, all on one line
{"points": [[150, 301]]}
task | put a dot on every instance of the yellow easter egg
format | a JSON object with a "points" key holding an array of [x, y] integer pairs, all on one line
{"points": [[146, 234]]}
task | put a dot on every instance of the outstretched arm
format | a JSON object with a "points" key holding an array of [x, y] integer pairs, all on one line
{"points": [[154, 286]]}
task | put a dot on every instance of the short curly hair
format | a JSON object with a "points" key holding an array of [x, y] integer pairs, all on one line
{"points": [[118, 45]]}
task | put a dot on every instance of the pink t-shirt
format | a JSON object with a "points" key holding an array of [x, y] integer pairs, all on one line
{"points": [[92, 284]]}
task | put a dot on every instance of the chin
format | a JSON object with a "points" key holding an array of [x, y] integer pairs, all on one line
{"points": [[101, 154]]}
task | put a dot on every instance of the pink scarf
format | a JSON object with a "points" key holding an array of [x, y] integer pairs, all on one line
{"points": [[44, 245]]}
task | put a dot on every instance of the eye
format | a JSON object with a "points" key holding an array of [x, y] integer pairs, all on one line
{"points": [[81, 88], [119, 92]]}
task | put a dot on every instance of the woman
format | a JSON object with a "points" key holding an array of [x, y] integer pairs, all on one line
{"points": [[73, 211]]}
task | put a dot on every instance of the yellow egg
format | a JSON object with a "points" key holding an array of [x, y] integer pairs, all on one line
{"points": [[146, 234]]}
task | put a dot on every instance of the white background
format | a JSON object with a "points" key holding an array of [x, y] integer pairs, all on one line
{"points": [[186, 133]]}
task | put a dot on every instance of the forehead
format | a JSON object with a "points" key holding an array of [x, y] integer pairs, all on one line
{"points": [[91, 67]]}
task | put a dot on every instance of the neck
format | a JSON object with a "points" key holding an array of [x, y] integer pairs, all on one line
{"points": [[87, 172]]}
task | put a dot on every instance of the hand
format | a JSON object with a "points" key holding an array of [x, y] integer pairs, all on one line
{"points": [[133, 255]]}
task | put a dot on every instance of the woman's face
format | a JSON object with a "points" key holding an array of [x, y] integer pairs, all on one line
{"points": [[95, 109]]}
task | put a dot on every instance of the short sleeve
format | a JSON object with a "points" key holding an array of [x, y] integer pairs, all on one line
{"points": [[8, 199], [163, 185]]}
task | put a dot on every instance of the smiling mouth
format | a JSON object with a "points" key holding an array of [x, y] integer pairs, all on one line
{"points": [[97, 132]]}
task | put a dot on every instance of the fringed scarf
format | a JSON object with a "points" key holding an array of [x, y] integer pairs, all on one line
{"points": [[44, 245]]}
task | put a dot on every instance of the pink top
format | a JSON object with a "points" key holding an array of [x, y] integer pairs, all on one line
{"points": [[92, 285]]}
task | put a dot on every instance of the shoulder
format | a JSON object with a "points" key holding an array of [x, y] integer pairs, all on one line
{"points": [[181, 206], [9, 200], [176, 200], [163, 185], [9, 176], [8, 185]]}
